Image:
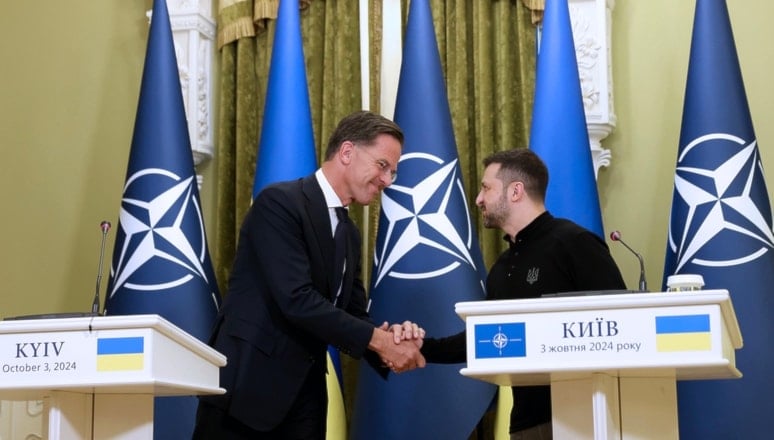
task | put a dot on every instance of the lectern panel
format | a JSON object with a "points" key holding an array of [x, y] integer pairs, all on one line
{"points": [[611, 360], [99, 375], [123, 354], [524, 344]]}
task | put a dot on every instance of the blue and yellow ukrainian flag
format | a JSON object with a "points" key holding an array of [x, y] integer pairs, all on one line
{"points": [[120, 354], [683, 333]]}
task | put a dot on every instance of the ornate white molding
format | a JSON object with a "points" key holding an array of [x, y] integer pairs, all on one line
{"points": [[591, 27], [193, 29]]}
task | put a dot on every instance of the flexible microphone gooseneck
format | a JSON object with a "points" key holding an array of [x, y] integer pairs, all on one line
{"points": [[105, 226], [616, 236]]}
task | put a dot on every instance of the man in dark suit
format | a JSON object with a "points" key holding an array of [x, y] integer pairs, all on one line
{"points": [[289, 295]]}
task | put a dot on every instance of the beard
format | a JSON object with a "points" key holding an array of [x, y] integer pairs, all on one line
{"points": [[494, 216]]}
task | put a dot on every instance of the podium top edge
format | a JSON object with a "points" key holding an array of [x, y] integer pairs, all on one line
{"points": [[590, 302], [603, 301], [114, 322]]}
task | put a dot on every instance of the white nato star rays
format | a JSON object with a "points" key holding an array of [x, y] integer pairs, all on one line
{"points": [[443, 180], [144, 234], [745, 161]]}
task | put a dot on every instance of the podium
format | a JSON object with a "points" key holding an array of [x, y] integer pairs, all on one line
{"points": [[611, 360], [98, 375]]}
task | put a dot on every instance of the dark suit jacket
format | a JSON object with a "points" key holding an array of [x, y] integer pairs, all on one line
{"points": [[278, 317]]}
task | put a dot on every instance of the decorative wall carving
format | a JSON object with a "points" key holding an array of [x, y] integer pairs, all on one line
{"points": [[193, 29], [591, 27]]}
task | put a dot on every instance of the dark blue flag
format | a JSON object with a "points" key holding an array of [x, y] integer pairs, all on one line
{"points": [[286, 149], [559, 134], [426, 259], [721, 228], [161, 264]]}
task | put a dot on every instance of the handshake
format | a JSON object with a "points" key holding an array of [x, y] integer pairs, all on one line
{"points": [[398, 346]]}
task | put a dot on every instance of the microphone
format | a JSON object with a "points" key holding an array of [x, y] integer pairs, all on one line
{"points": [[105, 227], [616, 236]]}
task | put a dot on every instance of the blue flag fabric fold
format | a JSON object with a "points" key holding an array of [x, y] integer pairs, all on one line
{"points": [[286, 148], [559, 134], [427, 258], [721, 228], [161, 264]]}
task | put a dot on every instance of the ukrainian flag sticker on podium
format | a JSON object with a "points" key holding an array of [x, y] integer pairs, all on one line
{"points": [[120, 354], [683, 333]]}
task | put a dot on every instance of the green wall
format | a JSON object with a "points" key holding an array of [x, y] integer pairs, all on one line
{"points": [[69, 84], [650, 49]]}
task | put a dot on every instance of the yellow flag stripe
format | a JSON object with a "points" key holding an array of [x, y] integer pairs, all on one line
{"points": [[683, 342], [337, 418], [503, 416], [120, 362]]}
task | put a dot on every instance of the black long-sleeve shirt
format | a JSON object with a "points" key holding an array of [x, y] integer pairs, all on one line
{"points": [[550, 255]]}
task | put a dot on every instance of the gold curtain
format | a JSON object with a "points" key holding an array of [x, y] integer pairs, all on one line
{"points": [[537, 7], [237, 128], [487, 50]]}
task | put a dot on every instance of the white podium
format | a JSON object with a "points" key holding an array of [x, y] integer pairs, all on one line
{"points": [[611, 360], [99, 375]]}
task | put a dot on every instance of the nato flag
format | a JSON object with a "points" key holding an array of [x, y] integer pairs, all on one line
{"points": [[426, 259], [721, 228], [286, 149], [559, 134], [161, 263]]}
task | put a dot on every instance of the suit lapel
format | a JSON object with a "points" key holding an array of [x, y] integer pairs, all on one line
{"points": [[319, 217]]}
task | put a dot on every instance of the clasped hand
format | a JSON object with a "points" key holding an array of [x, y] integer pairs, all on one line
{"points": [[402, 352]]}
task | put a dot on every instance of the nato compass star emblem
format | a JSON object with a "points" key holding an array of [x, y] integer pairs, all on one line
{"points": [[722, 204], [497, 341], [500, 340], [422, 219], [163, 242]]}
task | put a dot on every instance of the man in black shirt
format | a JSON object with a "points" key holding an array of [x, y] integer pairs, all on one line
{"points": [[545, 255]]}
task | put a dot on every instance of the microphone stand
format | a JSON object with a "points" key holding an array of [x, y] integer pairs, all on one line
{"points": [[616, 236], [105, 226]]}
